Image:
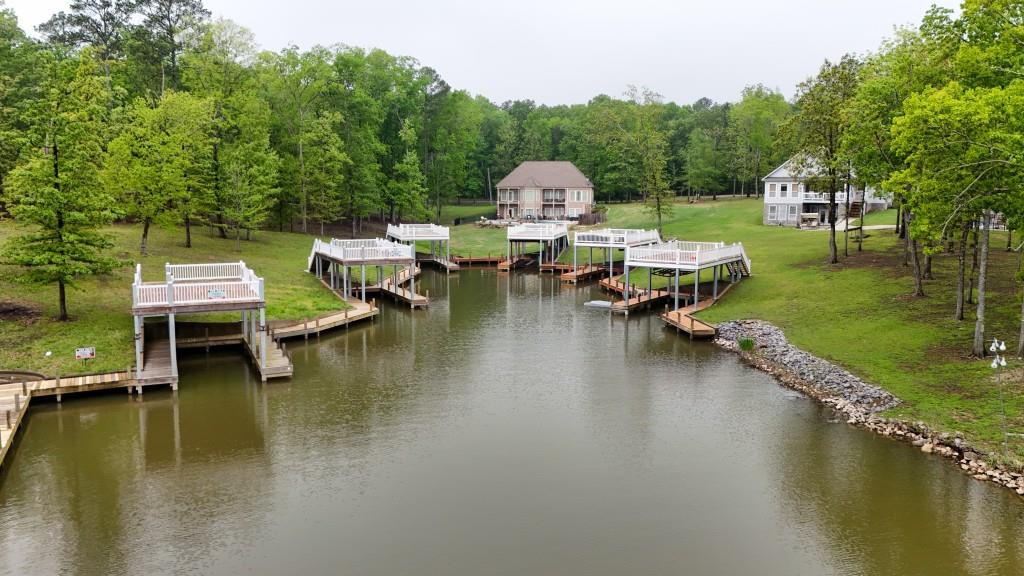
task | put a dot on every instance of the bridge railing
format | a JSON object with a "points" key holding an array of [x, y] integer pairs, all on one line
{"points": [[418, 232], [538, 231], [196, 284]]}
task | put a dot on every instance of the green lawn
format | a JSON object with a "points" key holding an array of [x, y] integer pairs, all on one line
{"points": [[879, 217], [471, 211], [99, 307]]}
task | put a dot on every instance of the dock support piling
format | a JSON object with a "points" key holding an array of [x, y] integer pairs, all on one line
{"points": [[174, 346]]}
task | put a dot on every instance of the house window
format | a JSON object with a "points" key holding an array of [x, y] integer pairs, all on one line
{"points": [[530, 196], [574, 211], [773, 212], [792, 211], [771, 190]]}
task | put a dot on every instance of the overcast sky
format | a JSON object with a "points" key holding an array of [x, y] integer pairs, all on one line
{"points": [[567, 51]]}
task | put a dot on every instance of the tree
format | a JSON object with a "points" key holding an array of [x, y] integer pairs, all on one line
{"points": [[19, 88], [97, 23], [296, 83], [56, 187], [816, 132], [167, 22], [754, 123], [327, 162], [407, 187], [964, 162]]}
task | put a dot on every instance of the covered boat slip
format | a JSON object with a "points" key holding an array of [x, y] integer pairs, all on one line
{"points": [[609, 240], [336, 262], [197, 288], [675, 258], [553, 238], [437, 237]]}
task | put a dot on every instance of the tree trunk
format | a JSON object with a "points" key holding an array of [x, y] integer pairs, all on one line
{"points": [[906, 238], [220, 226], [833, 250], [928, 267], [188, 231], [958, 313], [974, 264], [1009, 239], [846, 216], [1020, 338], [979, 323], [63, 301], [916, 261], [145, 235]]}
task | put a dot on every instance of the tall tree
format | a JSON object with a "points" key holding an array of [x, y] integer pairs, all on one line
{"points": [[816, 132], [97, 23], [754, 123], [56, 190], [168, 22]]}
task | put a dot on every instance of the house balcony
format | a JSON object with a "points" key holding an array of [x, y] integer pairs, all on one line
{"points": [[554, 199]]}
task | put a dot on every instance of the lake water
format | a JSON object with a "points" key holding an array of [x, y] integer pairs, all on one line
{"points": [[506, 430]]}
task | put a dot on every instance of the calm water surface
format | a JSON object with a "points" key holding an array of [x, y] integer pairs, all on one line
{"points": [[507, 430]]}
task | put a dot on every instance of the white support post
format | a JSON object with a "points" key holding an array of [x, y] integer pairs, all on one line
{"points": [[362, 281], [714, 295], [344, 280], [625, 291], [263, 343], [574, 258], [330, 265], [412, 284], [173, 346], [677, 290], [696, 288], [138, 346]]}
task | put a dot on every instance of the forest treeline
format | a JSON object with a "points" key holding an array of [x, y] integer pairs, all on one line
{"points": [[197, 124]]}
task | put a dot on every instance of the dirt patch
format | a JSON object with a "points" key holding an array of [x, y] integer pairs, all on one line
{"points": [[11, 311]]}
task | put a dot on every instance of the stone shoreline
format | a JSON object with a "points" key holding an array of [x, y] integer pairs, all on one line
{"points": [[857, 401]]}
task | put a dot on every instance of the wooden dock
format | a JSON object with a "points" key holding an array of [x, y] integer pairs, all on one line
{"points": [[517, 262], [481, 261], [684, 321], [584, 273], [438, 261], [356, 312]]}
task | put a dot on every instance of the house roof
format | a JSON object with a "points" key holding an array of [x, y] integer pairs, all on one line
{"points": [[545, 174]]}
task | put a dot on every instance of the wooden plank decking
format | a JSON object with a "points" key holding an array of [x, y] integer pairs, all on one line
{"points": [[584, 272]]}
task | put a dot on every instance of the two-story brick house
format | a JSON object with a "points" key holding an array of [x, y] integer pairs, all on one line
{"points": [[550, 190]]}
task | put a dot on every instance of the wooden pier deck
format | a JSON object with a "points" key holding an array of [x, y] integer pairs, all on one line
{"points": [[560, 267], [517, 262], [357, 311], [438, 261], [583, 273], [683, 319], [483, 261]]}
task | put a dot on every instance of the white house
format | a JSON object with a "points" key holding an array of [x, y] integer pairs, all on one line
{"points": [[788, 202]]}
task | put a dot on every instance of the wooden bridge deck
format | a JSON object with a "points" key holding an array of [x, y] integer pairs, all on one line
{"points": [[471, 260], [517, 262], [582, 273], [684, 320], [357, 310], [440, 262]]}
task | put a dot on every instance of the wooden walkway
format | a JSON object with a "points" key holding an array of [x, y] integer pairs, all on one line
{"points": [[484, 261], [517, 262], [357, 311], [583, 273], [439, 261], [683, 319]]}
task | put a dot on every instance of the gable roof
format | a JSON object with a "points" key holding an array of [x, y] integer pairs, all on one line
{"points": [[545, 174]]}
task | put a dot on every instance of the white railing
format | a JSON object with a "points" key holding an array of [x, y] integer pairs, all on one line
{"points": [[540, 231], [201, 272], [374, 249], [418, 232], [617, 237], [194, 284], [686, 254]]}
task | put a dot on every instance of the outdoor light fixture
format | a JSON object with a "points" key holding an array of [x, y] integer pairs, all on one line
{"points": [[999, 361]]}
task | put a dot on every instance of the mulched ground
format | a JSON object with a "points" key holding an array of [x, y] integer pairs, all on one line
{"points": [[11, 311]]}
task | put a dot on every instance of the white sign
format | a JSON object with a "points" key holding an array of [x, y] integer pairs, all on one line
{"points": [[85, 353], [216, 294]]}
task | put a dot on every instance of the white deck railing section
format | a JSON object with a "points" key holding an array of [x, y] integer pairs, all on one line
{"points": [[538, 231], [680, 254], [372, 249], [617, 237], [196, 284], [406, 232]]}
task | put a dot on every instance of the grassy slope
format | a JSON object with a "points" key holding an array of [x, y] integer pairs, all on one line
{"points": [[99, 306], [856, 313]]}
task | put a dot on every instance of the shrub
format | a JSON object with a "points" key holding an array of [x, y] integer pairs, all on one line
{"points": [[746, 344]]}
